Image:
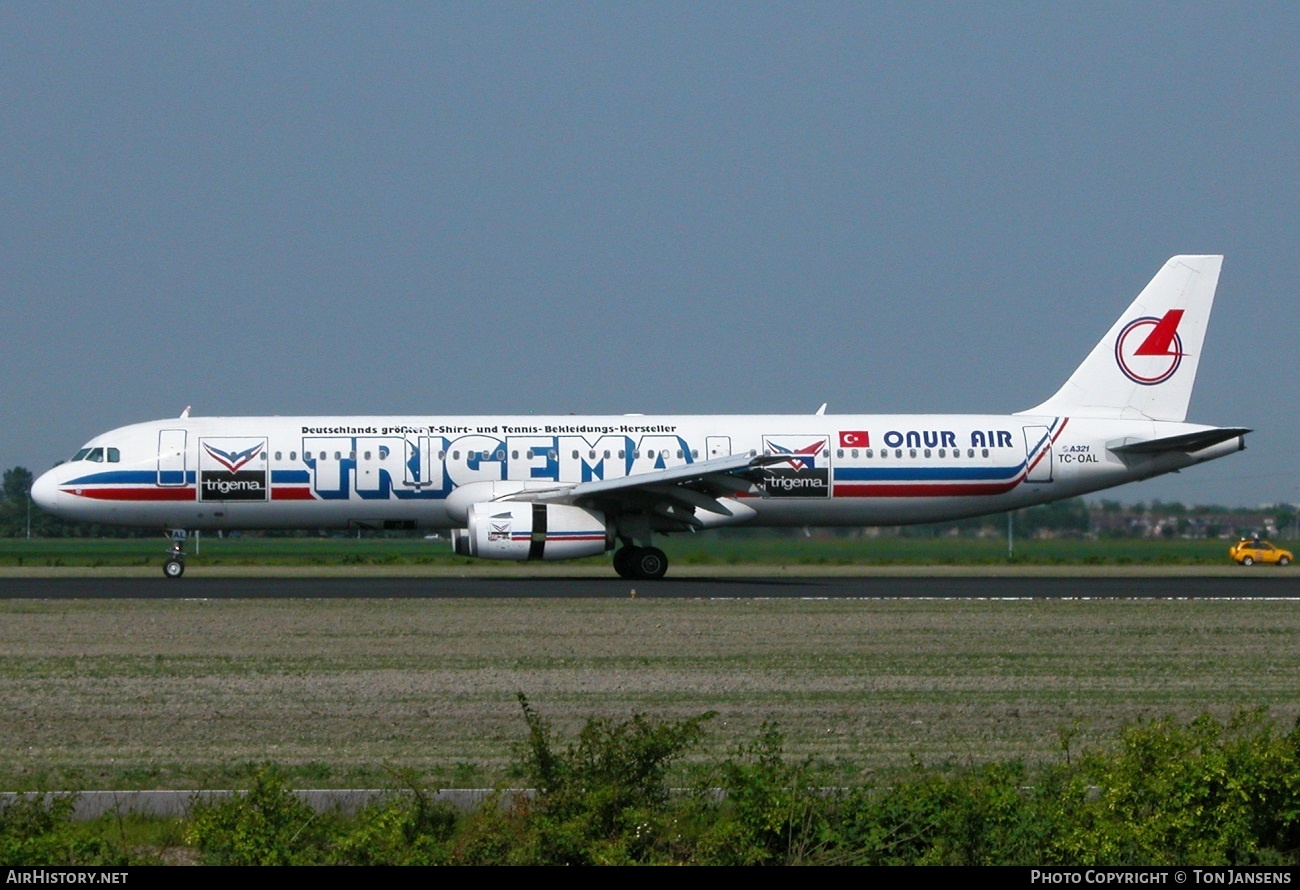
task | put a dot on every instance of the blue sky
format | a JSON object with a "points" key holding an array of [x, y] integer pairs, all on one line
{"points": [[432, 208]]}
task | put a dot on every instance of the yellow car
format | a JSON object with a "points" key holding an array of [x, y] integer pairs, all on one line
{"points": [[1249, 551]]}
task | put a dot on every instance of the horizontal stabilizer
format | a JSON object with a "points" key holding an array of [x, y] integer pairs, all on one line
{"points": [[1187, 442]]}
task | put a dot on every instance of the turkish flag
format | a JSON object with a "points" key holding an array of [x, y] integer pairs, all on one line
{"points": [[855, 439]]}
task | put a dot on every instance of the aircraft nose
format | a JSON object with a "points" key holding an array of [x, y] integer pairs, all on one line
{"points": [[45, 491]]}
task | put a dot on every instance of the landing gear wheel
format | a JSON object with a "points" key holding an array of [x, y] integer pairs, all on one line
{"points": [[174, 568], [650, 563], [624, 558]]}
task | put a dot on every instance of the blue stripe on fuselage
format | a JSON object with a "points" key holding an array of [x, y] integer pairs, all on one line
{"points": [[925, 474]]}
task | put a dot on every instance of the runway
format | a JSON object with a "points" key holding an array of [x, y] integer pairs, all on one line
{"points": [[1245, 586]]}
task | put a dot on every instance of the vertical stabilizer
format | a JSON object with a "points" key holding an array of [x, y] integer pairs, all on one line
{"points": [[1145, 366]]}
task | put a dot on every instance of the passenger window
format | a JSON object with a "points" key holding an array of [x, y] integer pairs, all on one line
{"points": [[839, 452], [293, 455], [986, 453]]}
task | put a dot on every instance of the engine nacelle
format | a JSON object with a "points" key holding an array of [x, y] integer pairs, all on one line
{"points": [[505, 530]]}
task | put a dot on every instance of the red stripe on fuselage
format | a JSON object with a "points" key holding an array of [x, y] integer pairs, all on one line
{"points": [[292, 494], [923, 490], [174, 494], [133, 494]]}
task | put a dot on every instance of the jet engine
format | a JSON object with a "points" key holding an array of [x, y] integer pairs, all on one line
{"points": [[504, 530]]}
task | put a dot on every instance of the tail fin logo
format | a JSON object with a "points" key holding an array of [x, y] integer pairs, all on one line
{"points": [[1148, 350]]}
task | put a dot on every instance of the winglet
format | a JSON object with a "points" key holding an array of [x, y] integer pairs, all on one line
{"points": [[1144, 368]]}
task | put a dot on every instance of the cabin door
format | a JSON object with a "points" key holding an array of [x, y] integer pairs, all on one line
{"points": [[1038, 453]]}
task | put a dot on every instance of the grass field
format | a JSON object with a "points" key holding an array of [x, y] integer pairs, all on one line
{"points": [[688, 550], [146, 693]]}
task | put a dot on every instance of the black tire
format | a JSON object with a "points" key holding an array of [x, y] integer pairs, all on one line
{"points": [[1284, 561], [624, 562], [174, 568], [1247, 561], [651, 564]]}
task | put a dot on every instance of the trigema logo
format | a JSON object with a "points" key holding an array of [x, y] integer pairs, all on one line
{"points": [[804, 475], [233, 470]]}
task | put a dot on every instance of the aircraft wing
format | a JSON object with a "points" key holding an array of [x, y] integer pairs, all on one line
{"points": [[673, 494], [1187, 442]]}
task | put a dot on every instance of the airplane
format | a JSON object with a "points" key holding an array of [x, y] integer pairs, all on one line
{"points": [[563, 487]]}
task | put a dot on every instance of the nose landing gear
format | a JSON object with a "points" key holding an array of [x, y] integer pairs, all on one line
{"points": [[174, 565]]}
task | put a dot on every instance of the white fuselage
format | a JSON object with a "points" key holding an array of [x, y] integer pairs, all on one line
{"points": [[399, 472]]}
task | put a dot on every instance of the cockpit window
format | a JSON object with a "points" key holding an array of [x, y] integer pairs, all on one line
{"points": [[114, 455], [97, 455], [81, 455]]}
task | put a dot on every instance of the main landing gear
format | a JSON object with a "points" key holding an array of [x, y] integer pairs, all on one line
{"points": [[640, 563], [174, 566]]}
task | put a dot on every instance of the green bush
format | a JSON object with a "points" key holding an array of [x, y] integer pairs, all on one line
{"points": [[603, 799], [37, 829], [757, 808], [268, 825], [1167, 793], [1208, 793], [405, 828], [974, 816]]}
